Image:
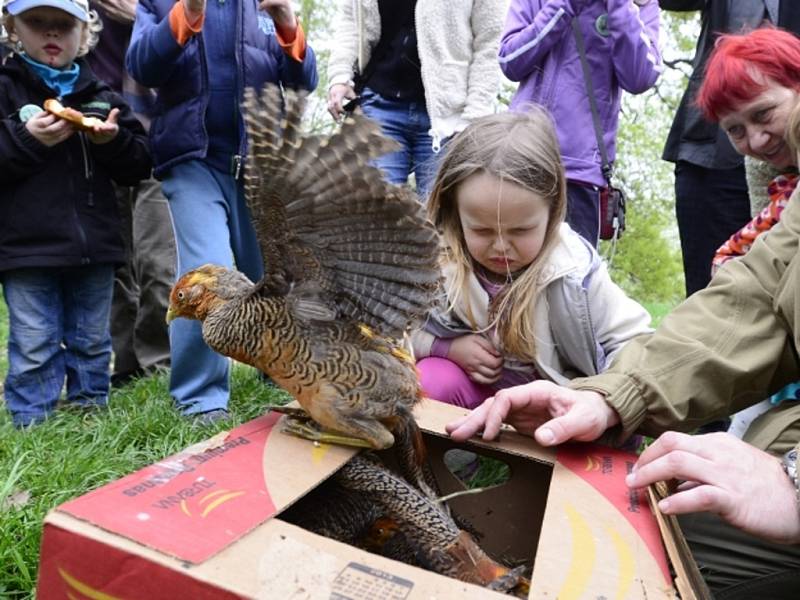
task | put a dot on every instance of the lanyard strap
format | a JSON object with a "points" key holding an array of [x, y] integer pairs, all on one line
{"points": [[587, 78]]}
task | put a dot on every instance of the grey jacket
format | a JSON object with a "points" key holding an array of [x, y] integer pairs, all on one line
{"points": [[582, 320]]}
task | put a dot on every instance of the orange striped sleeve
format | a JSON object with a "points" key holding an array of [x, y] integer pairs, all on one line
{"points": [[182, 28], [293, 42]]}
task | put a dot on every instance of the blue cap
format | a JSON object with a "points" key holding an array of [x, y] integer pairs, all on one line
{"points": [[77, 8]]}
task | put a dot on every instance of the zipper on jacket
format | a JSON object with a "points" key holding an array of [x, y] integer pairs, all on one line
{"points": [[87, 167], [236, 166]]}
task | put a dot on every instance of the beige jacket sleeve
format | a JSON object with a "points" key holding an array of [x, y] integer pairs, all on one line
{"points": [[483, 80], [725, 348], [343, 60]]}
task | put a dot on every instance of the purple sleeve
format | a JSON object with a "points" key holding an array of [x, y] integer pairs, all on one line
{"points": [[532, 29], [441, 346], [634, 30]]}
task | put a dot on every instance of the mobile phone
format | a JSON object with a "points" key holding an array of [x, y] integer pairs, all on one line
{"points": [[351, 104]]}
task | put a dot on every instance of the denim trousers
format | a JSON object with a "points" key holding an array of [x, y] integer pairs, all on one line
{"points": [[212, 225], [408, 124], [58, 328]]}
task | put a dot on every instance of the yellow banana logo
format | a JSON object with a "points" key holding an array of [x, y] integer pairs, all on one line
{"points": [[84, 589], [592, 463], [215, 500]]}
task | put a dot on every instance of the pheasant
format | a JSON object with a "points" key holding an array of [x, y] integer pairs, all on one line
{"points": [[351, 265], [367, 505]]}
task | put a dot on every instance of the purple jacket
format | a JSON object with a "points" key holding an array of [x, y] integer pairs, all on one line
{"points": [[538, 49]]}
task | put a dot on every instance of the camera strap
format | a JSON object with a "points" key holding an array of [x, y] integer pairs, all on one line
{"points": [[587, 78], [598, 130]]}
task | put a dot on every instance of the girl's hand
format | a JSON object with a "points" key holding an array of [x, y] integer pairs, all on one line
{"points": [[49, 129], [478, 357], [338, 94], [282, 15], [106, 131]]}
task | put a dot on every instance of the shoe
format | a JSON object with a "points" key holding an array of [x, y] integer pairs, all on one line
{"points": [[212, 417]]}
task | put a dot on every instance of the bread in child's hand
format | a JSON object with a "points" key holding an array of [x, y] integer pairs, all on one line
{"points": [[76, 117]]}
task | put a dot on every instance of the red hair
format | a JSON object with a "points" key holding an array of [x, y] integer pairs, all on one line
{"points": [[740, 64]]}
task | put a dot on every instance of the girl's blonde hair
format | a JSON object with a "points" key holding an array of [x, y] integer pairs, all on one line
{"points": [[520, 148], [89, 38]]}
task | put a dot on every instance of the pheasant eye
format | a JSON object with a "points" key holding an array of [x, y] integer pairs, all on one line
{"points": [[181, 295]]}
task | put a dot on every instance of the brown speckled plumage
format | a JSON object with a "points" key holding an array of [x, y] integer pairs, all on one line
{"points": [[350, 263]]}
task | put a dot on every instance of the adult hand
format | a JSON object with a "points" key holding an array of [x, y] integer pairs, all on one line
{"points": [[194, 8], [106, 131], [121, 11], [49, 129], [478, 357], [338, 94], [550, 413], [282, 15], [722, 474]]}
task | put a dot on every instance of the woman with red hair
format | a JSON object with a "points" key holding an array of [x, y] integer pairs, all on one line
{"points": [[751, 84]]}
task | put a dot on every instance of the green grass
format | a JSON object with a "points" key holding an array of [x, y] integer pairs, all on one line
{"points": [[78, 450]]}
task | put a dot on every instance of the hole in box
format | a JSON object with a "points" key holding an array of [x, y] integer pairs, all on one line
{"points": [[506, 516]]}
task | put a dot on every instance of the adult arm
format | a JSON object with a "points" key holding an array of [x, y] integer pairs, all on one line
{"points": [[342, 63], [531, 32], [483, 78], [121, 11], [722, 350], [634, 34], [721, 474]]}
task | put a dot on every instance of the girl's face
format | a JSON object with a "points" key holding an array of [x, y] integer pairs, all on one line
{"points": [[757, 128], [49, 35], [504, 224]]}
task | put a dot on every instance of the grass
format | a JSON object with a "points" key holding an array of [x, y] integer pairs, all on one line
{"points": [[77, 451]]}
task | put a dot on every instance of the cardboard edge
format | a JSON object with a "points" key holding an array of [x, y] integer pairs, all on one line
{"points": [[688, 580]]}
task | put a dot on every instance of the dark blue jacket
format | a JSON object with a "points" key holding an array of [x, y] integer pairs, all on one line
{"points": [[57, 204], [181, 75]]}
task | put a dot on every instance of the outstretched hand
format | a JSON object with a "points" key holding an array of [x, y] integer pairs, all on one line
{"points": [[282, 15], [550, 413], [105, 131], [722, 474]]}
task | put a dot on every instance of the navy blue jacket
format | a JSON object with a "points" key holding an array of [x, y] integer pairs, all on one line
{"points": [[181, 75], [57, 204]]}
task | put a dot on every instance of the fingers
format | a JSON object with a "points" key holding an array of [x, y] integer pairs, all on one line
{"points": [[466, 427], [701, 498], [113, 116], [680, 460]]}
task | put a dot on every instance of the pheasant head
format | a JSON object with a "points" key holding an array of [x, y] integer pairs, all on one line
{"points": [[201, 290]]}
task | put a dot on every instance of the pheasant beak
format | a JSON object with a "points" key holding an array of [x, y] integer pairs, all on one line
{"points": [[172, 314]]}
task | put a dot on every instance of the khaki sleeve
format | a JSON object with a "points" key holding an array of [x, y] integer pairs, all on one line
{"points": [[725, 348]]}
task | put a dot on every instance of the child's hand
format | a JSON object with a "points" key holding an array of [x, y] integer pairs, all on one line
{"points": [[282, 15], [478, 357], [49, 129], [106, 131]]}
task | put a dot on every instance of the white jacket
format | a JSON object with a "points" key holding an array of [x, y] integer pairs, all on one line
{"points": [[581, 320], [457, 44]]}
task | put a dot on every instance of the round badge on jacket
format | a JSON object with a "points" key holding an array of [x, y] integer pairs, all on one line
{"points": [[27, 112], [601, 25], [640, 2]]}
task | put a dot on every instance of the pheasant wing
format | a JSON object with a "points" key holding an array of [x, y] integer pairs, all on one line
{"points": [[334, 234]]}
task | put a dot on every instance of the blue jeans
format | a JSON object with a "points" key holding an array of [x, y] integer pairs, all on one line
{"points": [[212, 225], [407, 123], [58, 328]]}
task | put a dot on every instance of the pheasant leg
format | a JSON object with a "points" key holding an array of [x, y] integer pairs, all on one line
{"points": [[304, 427]]}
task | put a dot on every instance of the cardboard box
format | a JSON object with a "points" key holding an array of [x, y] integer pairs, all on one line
{"points": [[206, 523]]}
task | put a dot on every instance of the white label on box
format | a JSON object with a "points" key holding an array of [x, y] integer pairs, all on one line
{"points": [[360, 582]]}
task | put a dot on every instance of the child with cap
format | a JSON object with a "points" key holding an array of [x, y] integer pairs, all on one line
{"points": [[60, 239]]}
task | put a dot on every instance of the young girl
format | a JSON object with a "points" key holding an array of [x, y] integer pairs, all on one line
{"points": [[525, 297], [60, 235]]}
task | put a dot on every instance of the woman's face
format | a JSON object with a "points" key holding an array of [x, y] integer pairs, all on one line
{"points": [[757, 128]]}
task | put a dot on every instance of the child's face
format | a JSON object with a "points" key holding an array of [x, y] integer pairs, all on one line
{"points": [[504, 224], [49, 35]]}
